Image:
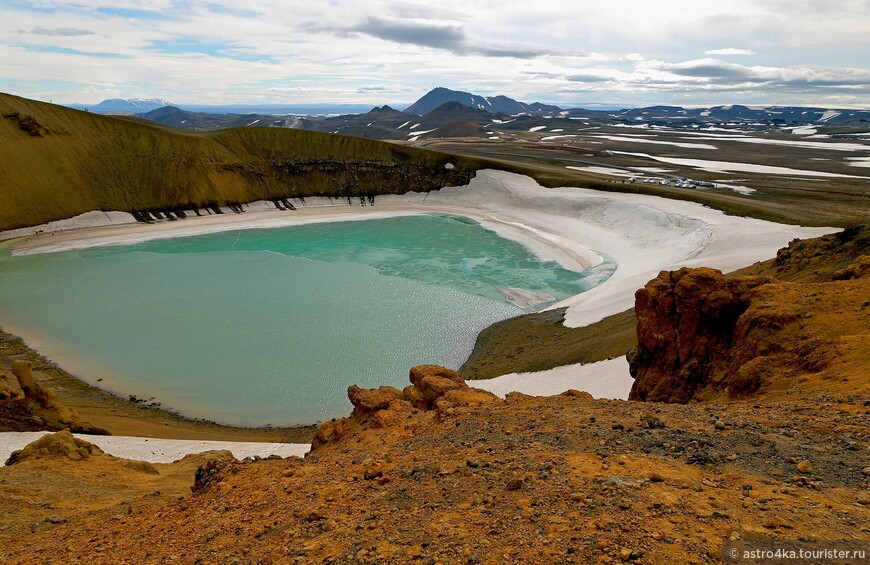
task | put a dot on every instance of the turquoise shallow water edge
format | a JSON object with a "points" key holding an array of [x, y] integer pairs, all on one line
{"points": [[270, 326]]}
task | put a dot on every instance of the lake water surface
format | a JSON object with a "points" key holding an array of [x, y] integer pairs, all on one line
{"points": [[270, 326]]}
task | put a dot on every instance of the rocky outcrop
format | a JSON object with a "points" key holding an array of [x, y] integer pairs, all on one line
{"points": [[686, 325], [61, 445], [30, 406], [432, 387], [10, 390], [702, 334], [857, 269]]}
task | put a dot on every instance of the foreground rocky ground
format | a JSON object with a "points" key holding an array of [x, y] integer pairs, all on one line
{"points": [[771, 445], [526, 480]]}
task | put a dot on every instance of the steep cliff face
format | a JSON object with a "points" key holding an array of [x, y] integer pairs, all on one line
{"points": [[702, 335]]}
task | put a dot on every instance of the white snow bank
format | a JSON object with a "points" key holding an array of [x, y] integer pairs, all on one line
{"points": [[86, 220], [155, 450], [604, 379]]}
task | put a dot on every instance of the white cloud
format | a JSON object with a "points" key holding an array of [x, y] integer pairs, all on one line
{"points": [[392, 51], [729, 51]]}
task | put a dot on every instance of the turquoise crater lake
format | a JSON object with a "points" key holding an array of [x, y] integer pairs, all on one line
{"points": [[270, 326]]}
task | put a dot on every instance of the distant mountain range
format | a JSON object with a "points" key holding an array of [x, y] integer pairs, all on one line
{"points": [[142, 105], [449, 113]]}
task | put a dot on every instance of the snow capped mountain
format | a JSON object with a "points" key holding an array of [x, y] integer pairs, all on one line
{"points": [[129, 105]]}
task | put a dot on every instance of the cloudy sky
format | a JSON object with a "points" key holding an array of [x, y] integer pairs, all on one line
{"points": [[571, 52]]}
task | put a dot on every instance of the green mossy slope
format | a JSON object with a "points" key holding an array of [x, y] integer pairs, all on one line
{"points": [[56, 162]]}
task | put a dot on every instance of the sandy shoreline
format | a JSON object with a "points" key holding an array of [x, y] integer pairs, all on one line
{"points": [[644, 234]]}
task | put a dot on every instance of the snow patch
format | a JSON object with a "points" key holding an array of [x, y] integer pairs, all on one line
{"points": [[726, 166], [656, 142]]}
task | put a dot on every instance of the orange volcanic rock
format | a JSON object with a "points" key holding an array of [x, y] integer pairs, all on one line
{"points": [[702, 334], [366, 401], [433, 388]]}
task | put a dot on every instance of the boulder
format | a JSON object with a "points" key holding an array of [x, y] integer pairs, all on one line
{"points": [[414, 396], [573, 393], [58, 446], [434, 388], [455, 398], [23, 371], [332, 431], [366, 401], [419, 372], [10, 389], [857, 269]]}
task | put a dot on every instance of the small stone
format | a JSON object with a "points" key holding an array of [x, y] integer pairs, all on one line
{"points": [[625, 554], [656, 478], [792, 460], [866, 471], [617, 426], [576, 497], [805, 466], [719, 425], [374, 473], [514, 484], [55, 519], [732, 457]]}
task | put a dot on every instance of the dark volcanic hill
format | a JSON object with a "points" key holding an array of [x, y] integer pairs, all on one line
{"points": [[378, 123], [494, 105], [451, 112], [201, 121]]}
